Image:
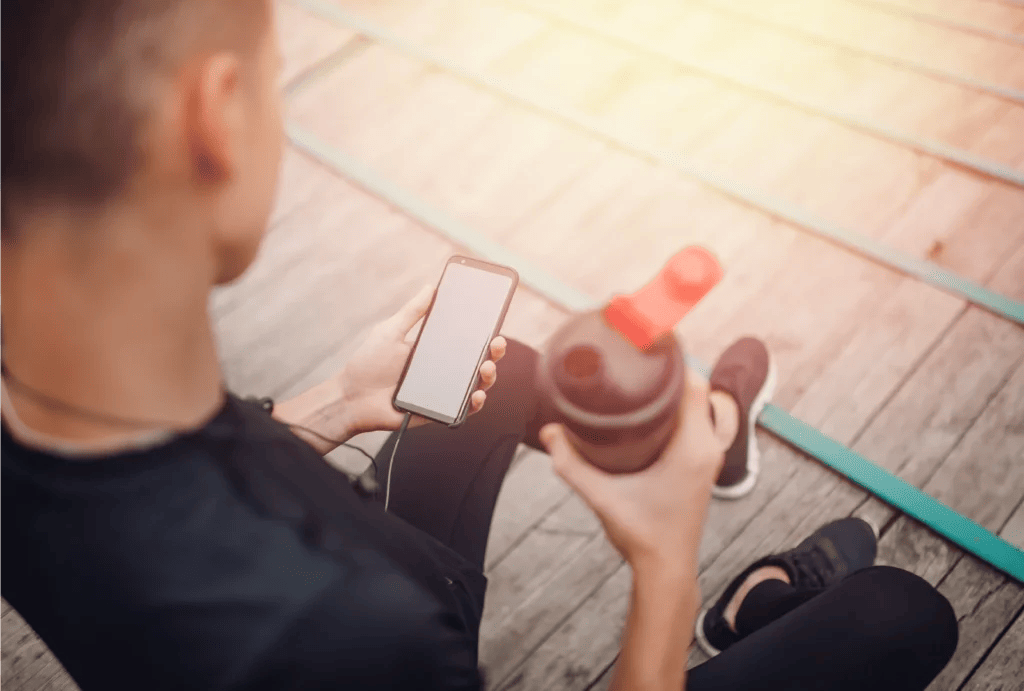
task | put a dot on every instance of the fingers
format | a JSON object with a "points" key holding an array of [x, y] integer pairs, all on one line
{"points": [[585, 479], [695, 426], [412, 311], [488, 375], [476, 401], [696, 408], [695, 392], [498, 348]]}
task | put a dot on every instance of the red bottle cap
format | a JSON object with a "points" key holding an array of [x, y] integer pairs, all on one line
{"points": [[657, 307]]}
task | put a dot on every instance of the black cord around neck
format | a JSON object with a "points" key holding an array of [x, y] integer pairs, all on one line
{"points": [[74, 410]]}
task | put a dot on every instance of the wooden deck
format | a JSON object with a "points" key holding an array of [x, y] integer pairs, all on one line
{"points": [[911, 377]]}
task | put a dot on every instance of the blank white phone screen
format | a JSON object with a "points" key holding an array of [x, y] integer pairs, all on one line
{"points": [[466, 309]]}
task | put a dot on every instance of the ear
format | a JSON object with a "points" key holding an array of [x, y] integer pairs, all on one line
{"points": [[213, 118]]}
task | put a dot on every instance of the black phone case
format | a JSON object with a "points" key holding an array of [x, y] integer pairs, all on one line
{"points": [[464, 410]]}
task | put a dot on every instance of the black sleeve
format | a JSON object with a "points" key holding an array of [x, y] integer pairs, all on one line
{"points": [[374, 631]]}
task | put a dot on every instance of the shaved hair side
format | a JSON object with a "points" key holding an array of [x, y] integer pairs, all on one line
{"points": [[79, 79]]}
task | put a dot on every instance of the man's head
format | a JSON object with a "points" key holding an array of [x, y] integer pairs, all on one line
{"points": [[153, 107]]}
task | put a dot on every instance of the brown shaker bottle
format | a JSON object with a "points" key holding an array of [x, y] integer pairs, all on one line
{"points": [[615, 377]]}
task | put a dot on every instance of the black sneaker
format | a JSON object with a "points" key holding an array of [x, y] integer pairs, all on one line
{"points": [[744, 371], [831, 553]]}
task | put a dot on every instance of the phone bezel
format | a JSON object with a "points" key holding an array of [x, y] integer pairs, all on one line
{"points": [[464, 407]]}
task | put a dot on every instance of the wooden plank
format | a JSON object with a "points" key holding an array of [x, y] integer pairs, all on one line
{"points": [[362, 95], [574, 654], [563, 67], [984, 601], [992, 15], [858, 181], [827, 164], [983, 477], [487, 171], [603, 682], [304, 40], [1003, 140], [473, 33], [922, 422], [567, 536], [506, 170], [1013, 531], [808, 71], [435, 118], [573, 557], [992, 229], [530, 492], [934, 46], [1004, 665], [26, 661], [387, 12], [51, 675]]}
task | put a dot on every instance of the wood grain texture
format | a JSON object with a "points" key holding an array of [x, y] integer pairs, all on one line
{"points": [[807, 71], [993, 15], [304, 40], [25, 662], [1003, 668], [984, 602], [934, 46], [530, 492], [1013, 531]]}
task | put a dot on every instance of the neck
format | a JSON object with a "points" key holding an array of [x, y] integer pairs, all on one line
{"points": [[110, 317]]}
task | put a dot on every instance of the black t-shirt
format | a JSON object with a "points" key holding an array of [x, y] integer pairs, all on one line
{"points": [[233, 557]]}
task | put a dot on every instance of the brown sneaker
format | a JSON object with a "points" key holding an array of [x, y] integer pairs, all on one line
{"points": [[745, 372]]}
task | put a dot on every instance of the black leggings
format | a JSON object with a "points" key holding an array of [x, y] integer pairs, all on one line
{"points": [[880, 628]]}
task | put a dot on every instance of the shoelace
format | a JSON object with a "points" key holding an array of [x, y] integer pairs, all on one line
{"points": [[813, 567]]}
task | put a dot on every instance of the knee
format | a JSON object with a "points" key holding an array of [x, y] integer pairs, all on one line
{"points": [[519, 363], [514, 393], [518, 351], [905, 611]]}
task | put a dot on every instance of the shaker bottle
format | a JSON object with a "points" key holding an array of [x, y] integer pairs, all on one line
{"points": [[615, 376]]}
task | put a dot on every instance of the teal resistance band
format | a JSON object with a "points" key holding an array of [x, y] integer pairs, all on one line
{"points": [[1005, 93], [950, 154], [904, 496], [871, 249]]}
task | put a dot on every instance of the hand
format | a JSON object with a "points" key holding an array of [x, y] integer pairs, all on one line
{"points": [[369, 378], [654, 516]]}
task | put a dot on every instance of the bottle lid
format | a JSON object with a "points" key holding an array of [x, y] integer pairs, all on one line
{"points": [[656, 308]]}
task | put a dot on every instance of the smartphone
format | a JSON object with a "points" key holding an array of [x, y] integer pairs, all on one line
{"points": [[465, 315]]}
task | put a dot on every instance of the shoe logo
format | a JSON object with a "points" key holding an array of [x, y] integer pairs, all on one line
{"points": [[833, 556]]}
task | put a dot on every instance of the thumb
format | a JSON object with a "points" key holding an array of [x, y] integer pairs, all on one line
{"points": [[584, 478], [412, 311]]}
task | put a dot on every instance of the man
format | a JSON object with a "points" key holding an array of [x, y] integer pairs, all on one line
{"points": [[161, 533]]}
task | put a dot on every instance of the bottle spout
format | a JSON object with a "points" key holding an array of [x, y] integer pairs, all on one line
{"points": [[656, 308]]}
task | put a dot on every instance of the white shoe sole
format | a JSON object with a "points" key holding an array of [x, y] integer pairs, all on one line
{"points": [[698, 628], [702, 640], [744, 487]]}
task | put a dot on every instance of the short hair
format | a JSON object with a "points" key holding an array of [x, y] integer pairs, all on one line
{"points": [[78, 81]]}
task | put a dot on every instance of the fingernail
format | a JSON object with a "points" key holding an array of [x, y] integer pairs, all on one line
{"points": [[547, 434]]}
